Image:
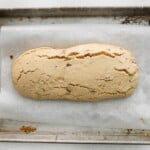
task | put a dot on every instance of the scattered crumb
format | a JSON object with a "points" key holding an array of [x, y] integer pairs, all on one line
{"points": [[129, 131], [98, 132], [27, 129], [68, 64], [132, 19], [20, 18], [11, 56], [126, 20]]}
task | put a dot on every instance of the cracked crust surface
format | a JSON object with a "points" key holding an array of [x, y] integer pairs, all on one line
{"points": [[86, 72]]}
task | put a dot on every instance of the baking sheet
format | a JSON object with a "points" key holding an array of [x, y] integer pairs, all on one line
{"points": [[132, 112]]}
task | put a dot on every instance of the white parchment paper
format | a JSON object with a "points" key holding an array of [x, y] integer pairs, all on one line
{"points": [[132, 112]]}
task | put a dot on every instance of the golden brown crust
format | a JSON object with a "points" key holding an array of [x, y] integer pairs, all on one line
{"points": [[86, 72]]}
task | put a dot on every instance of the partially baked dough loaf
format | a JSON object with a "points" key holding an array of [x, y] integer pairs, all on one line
{"points": [[86, 72]]}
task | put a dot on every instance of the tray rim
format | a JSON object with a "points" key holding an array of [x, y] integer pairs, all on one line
{"points": [[45, 133], [75, 11]]}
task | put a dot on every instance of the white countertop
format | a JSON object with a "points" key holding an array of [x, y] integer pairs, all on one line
{"points": [[46, 146], [72, 3]]}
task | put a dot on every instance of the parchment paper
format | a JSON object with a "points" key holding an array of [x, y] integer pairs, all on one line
{"points": [[132, 112]]}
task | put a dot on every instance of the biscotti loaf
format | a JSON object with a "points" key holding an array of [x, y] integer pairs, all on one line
{"points": [[86, 72]]}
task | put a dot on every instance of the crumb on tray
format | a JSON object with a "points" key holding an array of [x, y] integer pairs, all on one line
{"points": [[27, 129], [11, 56]]}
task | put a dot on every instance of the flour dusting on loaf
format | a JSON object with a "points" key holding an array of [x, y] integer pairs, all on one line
{"points": [[88, 72]]}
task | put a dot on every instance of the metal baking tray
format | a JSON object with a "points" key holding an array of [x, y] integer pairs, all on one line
{"points": [[23, 131]]}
